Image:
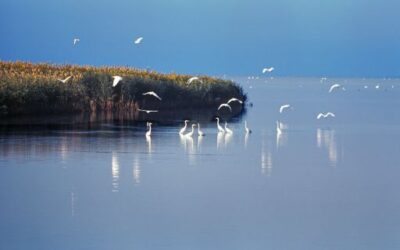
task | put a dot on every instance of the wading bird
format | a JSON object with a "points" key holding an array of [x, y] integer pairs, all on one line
{"points": [[138, 40], [65, 80], [191, 132], [148, 133], [246, 128], [265, 70], [116, 80], [233, 99], [283, 107], [228, 130], [225, 105], [278, 128], [199, 132], [184, 128], [326, 115], [152, 93], [220, 128]]}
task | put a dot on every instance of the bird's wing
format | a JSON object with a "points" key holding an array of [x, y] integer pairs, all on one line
{"points": [[319, 116]]}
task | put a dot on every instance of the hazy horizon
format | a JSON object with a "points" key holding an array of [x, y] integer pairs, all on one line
{"points": [[238, 38]]}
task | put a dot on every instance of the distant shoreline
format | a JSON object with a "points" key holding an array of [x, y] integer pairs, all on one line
{"points": [[28, 89]]}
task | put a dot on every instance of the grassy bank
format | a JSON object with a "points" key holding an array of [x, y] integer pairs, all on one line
{"points": [[27, 89]]}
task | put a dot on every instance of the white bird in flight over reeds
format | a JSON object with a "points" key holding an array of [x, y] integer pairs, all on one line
{"points": [[192, 79], [265, 70], [65, 80], [152, 93], [138, 40], [326, 115], [76, 40], [116, 80], [220, 128], [225, 105], [283, 107], [233, 99], [333, 87], [147, 111], [228, 130], [184, 128]]}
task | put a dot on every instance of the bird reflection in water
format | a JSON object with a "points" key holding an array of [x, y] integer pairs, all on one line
{"points": [[115, 172], [73, 203], [149, 146], [220, 138], [227, 139], [326, 138], [266, 160], [136, 171]]}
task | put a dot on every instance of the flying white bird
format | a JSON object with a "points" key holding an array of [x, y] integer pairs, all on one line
{"points": [[220, 128], [147, 111], [65, 80], [246, 128], [199, 132], [283, 107], [192, 79], [326, 115], [76, 40], [191, 132], [334, 86], [265, 70], [138, 40], [234, 100], [116, 80], [148, 133], [153, 94], [184, 128], [228, 130], [225, 105]]}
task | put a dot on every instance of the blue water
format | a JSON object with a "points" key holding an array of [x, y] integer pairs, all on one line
{"points": [[320, 184]]}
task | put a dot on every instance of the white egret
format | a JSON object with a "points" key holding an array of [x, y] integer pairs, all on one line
{"points": [[220, 128], [184, 128], [190, 134], [147, 111], [326, 115], [138, 40], [246, 128], [76, 40], [194, 78], [228, 130], [323, 79], [377, 86], [283, 107], [148, 133], [199, 132], [152, 93], [334, 86], [265, 70], [225, 105], [233, 99], [65, 80], [278, 128], [116, 80]]}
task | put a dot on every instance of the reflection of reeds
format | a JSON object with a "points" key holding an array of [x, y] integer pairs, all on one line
{"points": [[27, 88]]}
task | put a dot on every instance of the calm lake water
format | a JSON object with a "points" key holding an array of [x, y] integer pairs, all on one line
{"points": [[320, 184]]}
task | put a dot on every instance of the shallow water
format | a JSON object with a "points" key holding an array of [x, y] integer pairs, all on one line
{"points": [[320, 184]]}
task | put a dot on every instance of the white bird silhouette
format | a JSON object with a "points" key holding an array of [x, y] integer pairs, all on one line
{"points": [[326, 115], [228, 130], [220, 128], [76, 40], [147, 111], [278, 128], [148, 133], [246, 128], [138, 40], [116, 80], [265, 70], [377, 86], [334, 86], [225, 105], [199, 132], [191, 132], [283, 107], [194, 78], [152, 93], [184, 128], [65, 80], [233, 99]]}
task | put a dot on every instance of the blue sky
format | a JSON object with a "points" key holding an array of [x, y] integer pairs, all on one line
{"points": [[238, 37]]}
